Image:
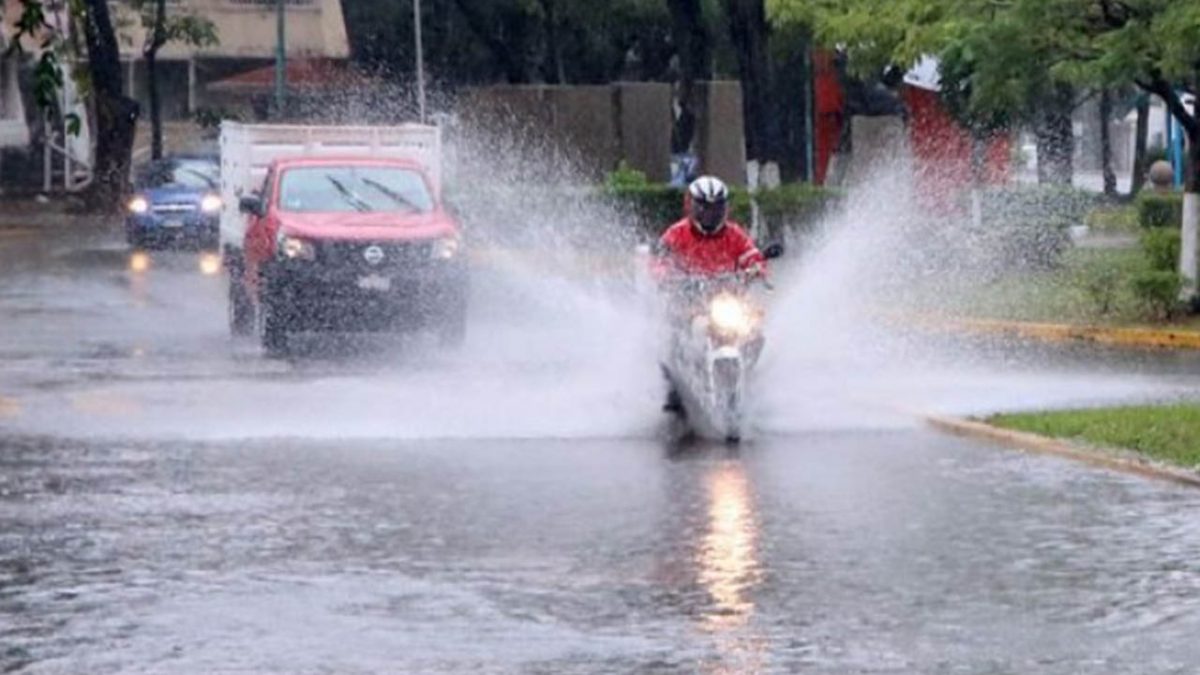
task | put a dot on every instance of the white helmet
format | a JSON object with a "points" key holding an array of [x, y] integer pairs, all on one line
{"points": [[708, 201]]}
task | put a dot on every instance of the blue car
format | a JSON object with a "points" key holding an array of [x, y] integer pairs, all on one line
{"points": [[176, 203]]}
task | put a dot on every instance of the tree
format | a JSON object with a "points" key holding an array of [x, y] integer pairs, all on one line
{"points": [[693, 52], [116, 113], [748, 30], [1154, 44], [161, 29], [996, 56]]}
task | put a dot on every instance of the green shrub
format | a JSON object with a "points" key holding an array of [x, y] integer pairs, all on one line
{"points": [[1101, 285], [1161, 248], [654, 206], [624, 177], [1113, 218], [1157, 209], [1158, 292]]}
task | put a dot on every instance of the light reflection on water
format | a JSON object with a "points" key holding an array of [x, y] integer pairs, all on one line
{"points": [[729, 569]]}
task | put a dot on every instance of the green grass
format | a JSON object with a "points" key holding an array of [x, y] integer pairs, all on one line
{"points": [[1170, 433]]}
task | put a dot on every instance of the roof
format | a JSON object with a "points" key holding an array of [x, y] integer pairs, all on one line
{"points": [[924, 75], [322, 160], [309, 74]]}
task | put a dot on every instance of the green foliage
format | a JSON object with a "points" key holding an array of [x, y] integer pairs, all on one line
{"points": [[1003, 59], [1160, 210], [1158, 291], [1161, 246]]}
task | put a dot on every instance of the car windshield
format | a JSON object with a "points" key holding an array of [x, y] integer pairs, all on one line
{"points": [[186, 173], [354, 188]]}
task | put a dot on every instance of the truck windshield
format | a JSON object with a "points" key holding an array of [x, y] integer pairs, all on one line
{"points": [[326, 189]]}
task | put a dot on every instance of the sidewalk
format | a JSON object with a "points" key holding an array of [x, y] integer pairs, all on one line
{"points": [[59, 213], [1165, 337]]}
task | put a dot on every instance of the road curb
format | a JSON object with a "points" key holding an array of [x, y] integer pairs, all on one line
{"points": [[1114, 459], [1052, 332]]}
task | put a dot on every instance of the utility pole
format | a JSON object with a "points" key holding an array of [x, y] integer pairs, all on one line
{"points": [[280, 57], [420, 58]]}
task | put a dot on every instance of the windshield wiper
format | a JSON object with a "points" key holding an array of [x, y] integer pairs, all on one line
{"points": [[391, 194], [352, 199], [203, 176]]}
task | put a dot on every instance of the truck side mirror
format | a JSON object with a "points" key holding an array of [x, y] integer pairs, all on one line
{"points": [[251, 205], [773, 251]]}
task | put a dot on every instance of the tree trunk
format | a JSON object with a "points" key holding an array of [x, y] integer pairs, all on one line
{"points": [[157, 39], [1056, 138], [552, 68], [1141, 138], [748, 32], [1106, 153], [116, 114], [692, 48]]}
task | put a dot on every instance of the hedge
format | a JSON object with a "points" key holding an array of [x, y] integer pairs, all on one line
{"points": [[1160, 209], [786, 209]]}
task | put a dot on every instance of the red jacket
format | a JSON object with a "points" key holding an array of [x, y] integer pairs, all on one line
{"points": [[683, 250]]}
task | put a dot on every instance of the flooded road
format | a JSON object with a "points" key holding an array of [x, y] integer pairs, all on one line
{"points": [[172, 503]]}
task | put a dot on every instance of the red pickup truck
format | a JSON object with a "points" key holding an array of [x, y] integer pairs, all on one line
{"points": [[347, 244]]}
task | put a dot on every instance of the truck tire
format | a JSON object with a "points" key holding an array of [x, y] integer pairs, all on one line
{"points": [[272, 326], [241, 311]]}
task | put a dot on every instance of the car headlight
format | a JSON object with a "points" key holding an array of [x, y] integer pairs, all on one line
{"points": [[295, 248], [210, 204], [731, 314], [138, 205], [446, 248]]}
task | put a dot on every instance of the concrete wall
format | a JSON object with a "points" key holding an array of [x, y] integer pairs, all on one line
{"points": [[721, 132], [594, 128]]}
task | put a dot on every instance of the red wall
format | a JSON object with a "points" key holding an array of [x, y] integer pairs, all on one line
{"points": [[941, 148]]}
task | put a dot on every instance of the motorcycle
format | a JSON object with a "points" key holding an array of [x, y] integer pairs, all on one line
{"points": [[716, 339]]}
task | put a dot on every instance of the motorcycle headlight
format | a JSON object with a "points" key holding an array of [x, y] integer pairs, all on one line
{"points": [[445, 248], [211, 204], [138, 205], [731, 314], [295, 248]]}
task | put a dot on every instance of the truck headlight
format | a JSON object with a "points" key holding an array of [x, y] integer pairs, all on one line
{"points": [[295, 248], [445, 248], [731, 314], [210, 204], [138, 205]]}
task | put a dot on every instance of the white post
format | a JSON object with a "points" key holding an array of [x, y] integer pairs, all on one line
{"points": [[420, 58], [1188, 252]]}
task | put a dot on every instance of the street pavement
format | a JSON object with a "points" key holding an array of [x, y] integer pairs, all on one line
{"points": [[172, 501]]}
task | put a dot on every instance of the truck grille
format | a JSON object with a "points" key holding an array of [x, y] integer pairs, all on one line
{"points": [[395, 255]]}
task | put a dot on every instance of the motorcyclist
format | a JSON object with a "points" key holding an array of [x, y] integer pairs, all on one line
{"points": [[704, 244]]}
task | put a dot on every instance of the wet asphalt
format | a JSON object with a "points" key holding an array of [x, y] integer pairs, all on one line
{"points": [[171, 502]]}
